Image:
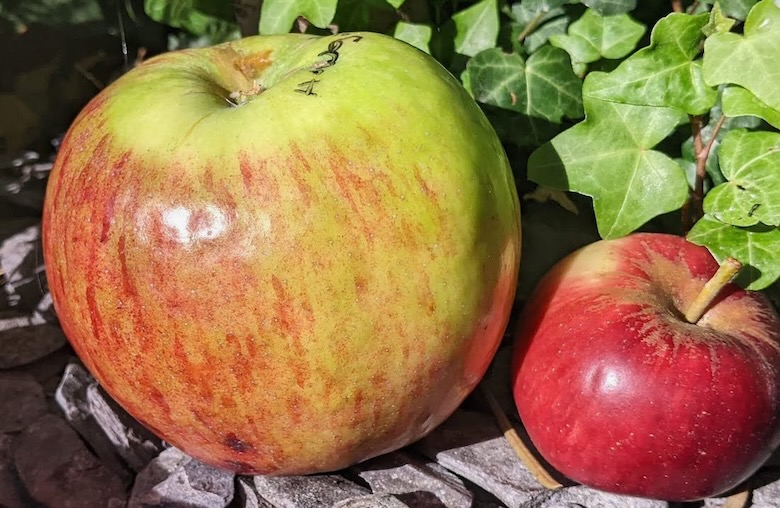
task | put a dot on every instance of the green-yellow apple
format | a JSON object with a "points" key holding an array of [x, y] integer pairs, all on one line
{"points": [[284, 254], [619, 391]]}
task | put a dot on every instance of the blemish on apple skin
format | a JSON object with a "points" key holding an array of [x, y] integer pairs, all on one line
{"points": [[237, 445]]}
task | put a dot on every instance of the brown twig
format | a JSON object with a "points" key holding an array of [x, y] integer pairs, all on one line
{"points": [[693, 209], [692, 8], [677, 6], [510, 433]]}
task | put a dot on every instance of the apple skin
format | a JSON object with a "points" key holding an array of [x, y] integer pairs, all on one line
{"points": [[618, 392], [307, 279]]}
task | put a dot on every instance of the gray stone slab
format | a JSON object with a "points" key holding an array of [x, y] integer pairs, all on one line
{"points": [[176, 479], [117, 438], [59, 471], [417, 482], [246, 495], [12, 494], [375, 501], [579, 496], [21, 401], [315, 491], [471, 445], [27, 344]]}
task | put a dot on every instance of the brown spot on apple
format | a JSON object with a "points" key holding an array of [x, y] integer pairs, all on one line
{"points": [[237, 445]]}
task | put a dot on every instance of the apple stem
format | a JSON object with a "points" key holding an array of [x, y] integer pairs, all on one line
{"points": [[521, 450], [727, 271]]}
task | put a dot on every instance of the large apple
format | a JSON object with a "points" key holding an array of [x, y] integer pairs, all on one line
{"points": [[618, 391], [284, 254]]}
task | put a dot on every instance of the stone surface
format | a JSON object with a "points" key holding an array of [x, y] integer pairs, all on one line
{"points": [[25, 286], [26, 344], [375, 501], [415, 482], [175, 479], [471, 445], [116, 437], [12, 494], [59, 471], [316, 491], [579, 496], [21, 401], [246, 496]]}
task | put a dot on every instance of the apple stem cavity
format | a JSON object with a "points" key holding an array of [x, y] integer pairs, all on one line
{"points": [[521, 450], [712, 288]]}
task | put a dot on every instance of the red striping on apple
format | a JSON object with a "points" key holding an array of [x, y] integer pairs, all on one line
{"points": [[618, 391], [284, 254]]}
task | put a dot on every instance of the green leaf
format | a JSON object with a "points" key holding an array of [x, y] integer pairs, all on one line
{"points": [[199, 17], [417, 35], [278, 16], [756, 247], [51, 12], [664, 74], [609, 157], [718, 22], [737, 9], [537, 21], [476, 27], [739, 102], [543, 87], [396, 3], [606, 7], [594, 36], [750, 60], [750, 161]]}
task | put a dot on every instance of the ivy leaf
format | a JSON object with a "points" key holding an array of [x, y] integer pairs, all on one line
{"points": [[396, 3], [607, 7], [543, 87], [199, 17], [739, 102], [750, 162], [749, 60], [537, 21], [609, 157], [718, 22], [594, 36], [278, 16], [756, 247], [418, 35], [737, 9], [476, 27], [664, 74]]}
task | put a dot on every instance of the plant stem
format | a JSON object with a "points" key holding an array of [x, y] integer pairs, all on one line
{"points": [[677, 6], [712, 288], [694, 211], [531, 26], [510, 433]]}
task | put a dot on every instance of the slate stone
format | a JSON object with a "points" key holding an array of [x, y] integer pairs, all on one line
{"points": [[374, 501], [419, 483], [21, 401], [176, 479], [246, 496], [117, 438], [26, 344], [471, 445], [59, 471], [22, 262], [315, 491], [12, 493], [579, 496]]}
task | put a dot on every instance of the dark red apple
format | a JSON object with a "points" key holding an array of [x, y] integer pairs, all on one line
{"points": [[618, 391]]}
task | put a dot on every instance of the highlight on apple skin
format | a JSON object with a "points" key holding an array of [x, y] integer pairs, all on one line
{"points": [[284, 254], [619, 392]]}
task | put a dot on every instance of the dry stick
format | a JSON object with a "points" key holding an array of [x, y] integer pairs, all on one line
{"points": [[701, 153], [677, 6], [517, 444], [727, 271]]}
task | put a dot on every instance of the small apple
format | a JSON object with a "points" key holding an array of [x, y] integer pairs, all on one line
{"points": [[284, 254], [618, 391]]}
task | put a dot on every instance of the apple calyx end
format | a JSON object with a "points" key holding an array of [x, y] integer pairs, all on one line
{"points": [[240, 97]]}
